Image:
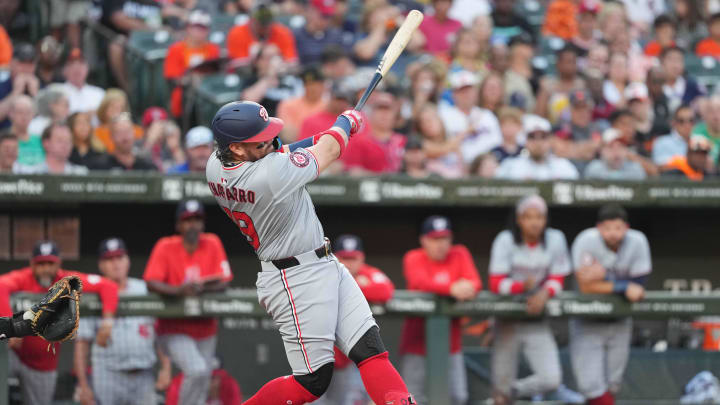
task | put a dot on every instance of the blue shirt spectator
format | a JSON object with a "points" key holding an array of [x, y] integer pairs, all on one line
{"points": [[674, 144], [318, 33]]}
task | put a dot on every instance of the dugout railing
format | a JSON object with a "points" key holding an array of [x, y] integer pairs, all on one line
{"points": [[437, 311]]}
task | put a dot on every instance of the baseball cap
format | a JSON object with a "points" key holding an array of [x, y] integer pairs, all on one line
{"points": [[262, 13], [112, 247], [46, 251], [75, 55], [531, 201], [24, 52], [589, 6], [198, 136], [190, 208], [580, 97], [636, 91], [611, 135], [699, 143], [199, 17], [436, 226], [312, 73], [152, 114], [348, 246], [533, 123], [325, 7], [463, 78]]}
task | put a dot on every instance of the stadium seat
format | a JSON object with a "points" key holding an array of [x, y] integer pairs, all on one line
{"points": [[213, 92]]}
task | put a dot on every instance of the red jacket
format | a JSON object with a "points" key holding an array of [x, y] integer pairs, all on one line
{"points": [[424, 274], [228, 391], [377, 288], [34, 350]]}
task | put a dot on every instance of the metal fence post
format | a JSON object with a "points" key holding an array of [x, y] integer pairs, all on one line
{"points": [[4, 373], [437, 333]]}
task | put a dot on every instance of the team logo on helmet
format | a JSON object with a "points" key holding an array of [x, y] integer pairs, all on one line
{"points": [[299, 159], [264, 114]]}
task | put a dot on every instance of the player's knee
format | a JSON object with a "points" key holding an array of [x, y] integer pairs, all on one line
{"points": [[369, 345], [197, 370], [318, 381]]}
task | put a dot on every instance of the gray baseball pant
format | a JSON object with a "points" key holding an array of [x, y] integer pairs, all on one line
{"points": [[599, 352], [537, 343], [195, 360], [115, 387], [413, 372], [37, 387]]}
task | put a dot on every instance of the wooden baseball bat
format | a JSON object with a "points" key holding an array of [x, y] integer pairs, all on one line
{"points": [[396, 47]]}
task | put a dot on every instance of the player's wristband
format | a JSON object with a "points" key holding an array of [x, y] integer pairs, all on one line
{"points": [[335, 134], [344, 123], [304, 143], [620, 286]]}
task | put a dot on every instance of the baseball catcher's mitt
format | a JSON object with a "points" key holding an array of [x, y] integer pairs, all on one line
{"points": [[56, 317]]}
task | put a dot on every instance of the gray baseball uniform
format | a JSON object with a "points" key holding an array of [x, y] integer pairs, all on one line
{"points": [[37, 387], [122, 372], [517, 262], [317, 303], [599, 350]]}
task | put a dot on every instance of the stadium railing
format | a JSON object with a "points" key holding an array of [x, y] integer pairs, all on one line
{"points": [[437, 311]]}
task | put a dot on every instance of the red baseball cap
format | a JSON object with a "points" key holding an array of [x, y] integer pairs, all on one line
{"points": [[436, 226], [348, 246], [325, 7], [152, 114], [45, 251], [589, 6]]}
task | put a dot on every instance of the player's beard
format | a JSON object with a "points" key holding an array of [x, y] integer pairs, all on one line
{"points": [[44, 282], [191, 236]]}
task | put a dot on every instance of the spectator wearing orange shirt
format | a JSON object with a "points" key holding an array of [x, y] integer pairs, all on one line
{"points": [[694, 165], [187, 54], [664, 27], [294, 111], [6, 48], [445, 269], [561, 19], [244, 41], [112, 105], [710, 46]]}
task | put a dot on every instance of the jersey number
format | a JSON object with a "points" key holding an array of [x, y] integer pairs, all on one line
{"points": [[246, 226]]}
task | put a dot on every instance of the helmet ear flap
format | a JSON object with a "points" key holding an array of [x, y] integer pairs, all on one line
{"points": [[277, 143]]}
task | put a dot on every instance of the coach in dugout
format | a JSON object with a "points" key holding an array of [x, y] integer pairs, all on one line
{"points": [[189, 264], [122, 369], [609, 258], [441, 268], [30, 359]]}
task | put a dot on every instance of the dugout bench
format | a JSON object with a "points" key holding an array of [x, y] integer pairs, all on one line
{"points": [[437, 311]]}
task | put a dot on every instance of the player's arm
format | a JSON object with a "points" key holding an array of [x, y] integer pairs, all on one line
{"points": [[80, 363], [329, 145]]}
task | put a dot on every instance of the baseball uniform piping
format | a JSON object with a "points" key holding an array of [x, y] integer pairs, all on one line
{"points": [[295, 319]]}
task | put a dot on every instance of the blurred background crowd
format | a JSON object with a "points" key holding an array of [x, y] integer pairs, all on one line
{"points": [[522, 90]]}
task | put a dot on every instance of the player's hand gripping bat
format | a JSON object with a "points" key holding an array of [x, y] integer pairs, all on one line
{"points": [[397, 45]]}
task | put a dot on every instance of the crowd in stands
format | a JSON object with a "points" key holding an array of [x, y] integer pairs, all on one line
{"points": [[590, 89]]}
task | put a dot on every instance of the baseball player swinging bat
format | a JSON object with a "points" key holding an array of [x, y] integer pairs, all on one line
{"points": [[396, 47], [311, 296]]}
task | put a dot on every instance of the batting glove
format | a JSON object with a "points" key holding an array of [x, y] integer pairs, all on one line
{"points": [[356, 121]]}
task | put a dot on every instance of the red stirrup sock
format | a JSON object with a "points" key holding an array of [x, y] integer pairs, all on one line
{"points": [[281, 391], [605, 399], [380, 377]]}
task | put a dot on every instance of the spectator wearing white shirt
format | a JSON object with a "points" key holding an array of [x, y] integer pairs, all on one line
{"points": [[83, 97], [675, 143], [536, 162], [57, 143], [466, 11], [479, 126], [614, 164], [642, 13]]}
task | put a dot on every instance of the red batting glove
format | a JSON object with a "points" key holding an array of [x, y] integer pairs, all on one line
{"points": [[356, 121]]}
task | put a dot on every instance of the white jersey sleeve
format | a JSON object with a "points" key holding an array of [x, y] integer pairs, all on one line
{"points": [[642, 262], [501, 254], [557, 244]]}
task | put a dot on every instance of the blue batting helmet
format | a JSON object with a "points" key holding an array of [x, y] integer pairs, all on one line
{"points": [[244, 121]]}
